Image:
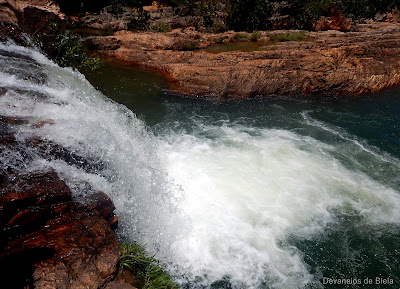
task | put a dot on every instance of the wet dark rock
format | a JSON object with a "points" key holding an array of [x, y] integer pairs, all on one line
{"points": [[35, 20], [6, 132], [16, 55], [31, 17], [50, 151], [37, 212], [11, 31], [119, 285], [50, 238]]}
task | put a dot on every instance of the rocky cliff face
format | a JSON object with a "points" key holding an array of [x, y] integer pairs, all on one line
{"points": [[332, 63]]}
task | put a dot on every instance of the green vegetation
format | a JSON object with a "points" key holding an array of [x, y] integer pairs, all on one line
{"points": [[219, 40], [303, 12], [241, 37], [147, 270], [289, 36], [162, 27], [239, 15], [368, 8], [66, 50], [80, 6], [255, 36], [247, 15], [191, 45], [69, 52]]}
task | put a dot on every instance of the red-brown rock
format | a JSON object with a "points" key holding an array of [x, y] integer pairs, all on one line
{"points": [[71, 244], [334, 63], [335, 21], [48, 238]]}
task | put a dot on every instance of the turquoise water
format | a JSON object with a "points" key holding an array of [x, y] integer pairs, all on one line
{"points": [[337, 158]]}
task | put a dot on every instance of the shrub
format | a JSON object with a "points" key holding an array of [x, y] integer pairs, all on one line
{"points": [[220, 40], [192, 45], [255, 36], [219, 27], [247, 15], [70, 53], [303, 13], [241, 37], [79, 6], [140, 21], [65, 50], [162, 27], [147, 270], [368, 8], [289, 36]]}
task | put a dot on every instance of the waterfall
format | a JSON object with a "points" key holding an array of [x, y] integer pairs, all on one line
{"points": [[222, 204]]}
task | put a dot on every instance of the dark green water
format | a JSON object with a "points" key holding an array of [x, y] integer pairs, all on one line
{"points": [[374, 118], [347, 150]]}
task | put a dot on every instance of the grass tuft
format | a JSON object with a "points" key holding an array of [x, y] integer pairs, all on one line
{"points": [[147, 270], [241, 37], [161, 28], [191, 45], [289, 36], [255, 36]]}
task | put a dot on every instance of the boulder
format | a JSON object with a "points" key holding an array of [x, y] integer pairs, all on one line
{"points": [[335, 21], [32, 17]]}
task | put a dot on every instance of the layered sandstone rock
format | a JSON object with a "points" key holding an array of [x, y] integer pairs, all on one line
{"points": [[333, 63]]}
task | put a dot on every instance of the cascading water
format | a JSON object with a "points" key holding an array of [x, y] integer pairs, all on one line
{"points": [[259, 200]]}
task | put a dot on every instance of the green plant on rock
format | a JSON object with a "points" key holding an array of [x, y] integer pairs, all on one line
{"points": [[161, 28], [289, 36], [66, 50], [255, 36], [147, 270], [191, 45], [69, 52], [219, 40], [247, 15], [240, 37], [140, 21]]}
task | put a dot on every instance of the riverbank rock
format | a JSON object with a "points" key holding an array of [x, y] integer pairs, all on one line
{"points": [[328, 63], [50, 239], [335, 21], [31, 16]]}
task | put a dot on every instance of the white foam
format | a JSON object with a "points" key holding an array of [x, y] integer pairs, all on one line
{"points": [[246, 193]]}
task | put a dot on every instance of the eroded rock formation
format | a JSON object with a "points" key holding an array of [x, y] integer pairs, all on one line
{"points": [[330, 63]]}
